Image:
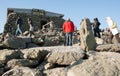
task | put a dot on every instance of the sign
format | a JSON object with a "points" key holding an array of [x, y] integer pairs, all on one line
{"points": [[38, 12]]}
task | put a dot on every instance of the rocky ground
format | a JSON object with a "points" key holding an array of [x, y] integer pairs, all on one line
{"points": [[61, 61], [44, 54]]}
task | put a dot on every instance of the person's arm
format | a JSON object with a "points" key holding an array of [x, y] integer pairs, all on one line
{"points": [[16, 21], [63, 27]]}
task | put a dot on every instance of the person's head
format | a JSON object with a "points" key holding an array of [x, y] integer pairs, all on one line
{"points": [[68, 19], [95, 19], [108, 18], [109, 21], [29, 19], [19, 17], [51, 22]]}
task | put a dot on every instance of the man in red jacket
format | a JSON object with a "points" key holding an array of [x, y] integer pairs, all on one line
{"points": [[68, 28]]}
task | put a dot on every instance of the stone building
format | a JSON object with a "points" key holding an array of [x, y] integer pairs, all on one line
{"points": [[38, 16]]}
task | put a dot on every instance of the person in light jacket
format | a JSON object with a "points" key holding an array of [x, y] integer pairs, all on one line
{"points": [[31, 29], [113, 28]]}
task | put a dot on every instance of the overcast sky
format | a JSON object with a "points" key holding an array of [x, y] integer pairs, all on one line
{"points": [[74, 9]]}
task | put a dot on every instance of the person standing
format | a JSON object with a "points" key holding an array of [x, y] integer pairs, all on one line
{"points": [[51, 25], [96, 29], [113, 29], [31, 29], [19, 23], [68, 28]]}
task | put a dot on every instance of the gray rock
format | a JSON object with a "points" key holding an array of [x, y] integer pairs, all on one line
{"points": [[1, 71], [6, 55], [23, 71], [86, 35], [98, 64], [51, 41], [22, 63], [65, 55], [34, 53], [31, 45], [99, 40], [15, 43], [108, 48], [55, 72], [38, 41]]}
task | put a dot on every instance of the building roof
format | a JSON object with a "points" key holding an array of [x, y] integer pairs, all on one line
{"points": [[35, 11]]}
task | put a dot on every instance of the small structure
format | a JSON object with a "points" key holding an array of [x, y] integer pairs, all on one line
{"points": [[39, 17]]}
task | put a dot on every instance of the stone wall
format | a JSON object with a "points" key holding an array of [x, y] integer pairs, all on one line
{"points": [[38, 22]]}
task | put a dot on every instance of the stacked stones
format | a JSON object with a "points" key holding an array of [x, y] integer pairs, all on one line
{"points": [[37, 22]]}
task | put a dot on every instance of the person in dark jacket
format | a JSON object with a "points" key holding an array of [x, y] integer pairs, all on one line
{"points": [[19, 23], [96, 29], [68, 28]]}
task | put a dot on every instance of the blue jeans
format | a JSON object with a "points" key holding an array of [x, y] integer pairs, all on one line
{"points": [[68, 39]]}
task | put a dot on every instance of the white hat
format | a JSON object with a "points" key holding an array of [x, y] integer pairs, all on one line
{"points": [[108, 18]]}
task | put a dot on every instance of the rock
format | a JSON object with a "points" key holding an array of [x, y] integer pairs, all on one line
{"points": [[2, 64], [49, 66], [22, 63], [51, 41], [65, 55], [98, 64], [31, 45], [86, 35], [108, 48], [51, 33], [99, 40], [23, 71], [55, 72], [6, 55], [1, 71], [38, 41], [34, 53], [26, 39], [26, 33], [15, 43]]}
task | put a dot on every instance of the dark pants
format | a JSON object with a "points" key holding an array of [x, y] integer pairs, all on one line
{"points": [[68, 39], [97, 32], [31, 33]]}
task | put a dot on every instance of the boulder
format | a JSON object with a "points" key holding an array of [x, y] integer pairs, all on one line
{"points": [[108, 48], [99, 40], [51, 41], [31, 45], [65, 55], [55, 72], [22, 63], [98, 64], [1, 71], [14, 43], [6, 55], [51, 33], [23, 71], [38, 41], [34, 53], [86, 35]]}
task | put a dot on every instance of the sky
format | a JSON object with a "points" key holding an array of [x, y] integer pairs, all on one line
{"points": [[76, 10]]}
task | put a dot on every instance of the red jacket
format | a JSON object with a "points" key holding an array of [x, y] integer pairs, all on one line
{"points": [[68, 26]]}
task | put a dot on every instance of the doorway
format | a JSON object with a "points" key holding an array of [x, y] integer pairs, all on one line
{"points": [[43, 22]]}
